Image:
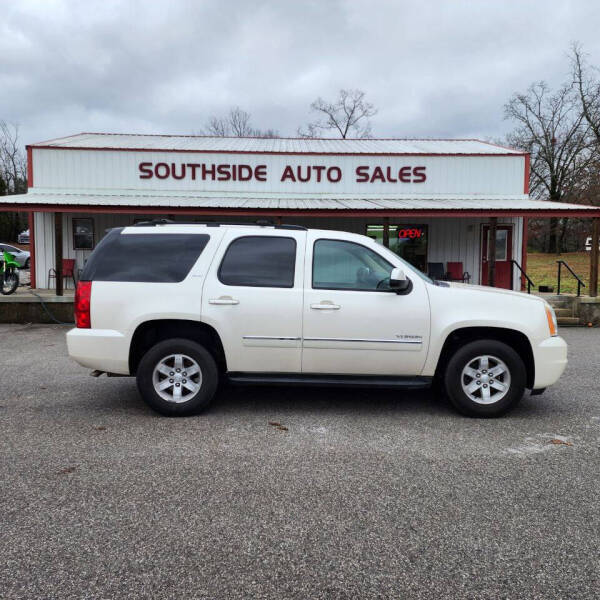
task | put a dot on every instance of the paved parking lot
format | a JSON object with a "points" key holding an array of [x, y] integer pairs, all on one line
{"points": [[365, 495]]}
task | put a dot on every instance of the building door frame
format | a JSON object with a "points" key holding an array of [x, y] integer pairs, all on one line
{"points": [[503, 266]]}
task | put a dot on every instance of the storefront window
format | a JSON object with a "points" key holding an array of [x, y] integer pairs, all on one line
{"points": [[83, 234], [407, 241]]}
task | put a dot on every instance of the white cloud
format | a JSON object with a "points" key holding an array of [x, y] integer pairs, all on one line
{"points": [[432, 68]]}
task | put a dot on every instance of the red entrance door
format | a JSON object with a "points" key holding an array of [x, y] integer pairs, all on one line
{"points": [[503, 255]]}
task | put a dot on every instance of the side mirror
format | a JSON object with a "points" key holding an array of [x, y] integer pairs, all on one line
{"points": [[398, 281]]}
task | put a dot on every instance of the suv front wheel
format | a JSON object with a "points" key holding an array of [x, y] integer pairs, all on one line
{"points": [[177, 377], [485, 378]]}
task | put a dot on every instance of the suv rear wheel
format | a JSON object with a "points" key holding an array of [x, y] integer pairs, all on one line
{"points": [[177, 377], [485, 378]]}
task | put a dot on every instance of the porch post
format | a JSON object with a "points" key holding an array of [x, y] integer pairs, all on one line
{"points": [[524, 252], [31, 221], [58, 252], [594, 257], [386, 232], [492, 252]]}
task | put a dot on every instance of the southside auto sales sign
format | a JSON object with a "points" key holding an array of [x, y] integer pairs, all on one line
{"points": [[293, 173], [277, 174]]}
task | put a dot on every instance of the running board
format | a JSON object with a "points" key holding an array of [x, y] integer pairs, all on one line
{"points": [[315, 379]]}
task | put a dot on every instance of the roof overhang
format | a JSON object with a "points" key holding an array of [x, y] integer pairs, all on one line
{"points": [[446, 206]]}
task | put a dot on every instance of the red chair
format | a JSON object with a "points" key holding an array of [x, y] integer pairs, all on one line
{"points": [[455, 272], [68, 270]]}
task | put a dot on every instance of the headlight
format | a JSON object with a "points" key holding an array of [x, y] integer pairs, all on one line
{"points": [[552, 324]]}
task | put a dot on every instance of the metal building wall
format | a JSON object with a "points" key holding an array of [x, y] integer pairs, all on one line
{"points": [[450, 239]]}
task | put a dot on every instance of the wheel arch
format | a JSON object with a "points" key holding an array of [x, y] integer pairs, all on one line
{"points": [[148, 333], [517, 340]]}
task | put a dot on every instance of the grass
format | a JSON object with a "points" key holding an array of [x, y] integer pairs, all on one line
{"points": [[542, 269]]}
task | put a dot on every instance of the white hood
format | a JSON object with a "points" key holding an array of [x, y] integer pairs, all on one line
{"points": [[493, 290]]}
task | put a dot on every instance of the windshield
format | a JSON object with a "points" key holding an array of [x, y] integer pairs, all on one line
{"points": [[412, 268]]}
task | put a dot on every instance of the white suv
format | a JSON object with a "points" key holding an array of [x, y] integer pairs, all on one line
{"points": [[184, 307]]}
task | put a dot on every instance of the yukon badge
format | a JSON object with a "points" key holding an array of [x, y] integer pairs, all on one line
{"points": [[410, 339]]}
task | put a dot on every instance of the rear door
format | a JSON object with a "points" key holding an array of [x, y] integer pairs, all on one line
{"points": [[253, 298], [353, 324]]}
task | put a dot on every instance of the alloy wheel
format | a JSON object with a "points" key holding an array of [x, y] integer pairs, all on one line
{"points": [[485, 379], [177, 378]]}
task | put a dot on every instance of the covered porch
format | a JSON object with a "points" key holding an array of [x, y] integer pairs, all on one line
{"points": [[487, 238]]}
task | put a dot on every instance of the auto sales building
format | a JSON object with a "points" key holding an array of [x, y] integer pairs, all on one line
{"points": [[434, 202]]}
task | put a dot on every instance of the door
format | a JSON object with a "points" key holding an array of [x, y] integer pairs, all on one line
{"points": [[503, 255], [252, 296], [353, 323]]}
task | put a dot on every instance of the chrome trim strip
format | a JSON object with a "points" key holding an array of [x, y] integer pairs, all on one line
{"points": [[270, 337], [358, 340], [374, 341]]}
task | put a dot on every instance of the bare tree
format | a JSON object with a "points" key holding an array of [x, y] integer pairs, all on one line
{"points": [[586, 81], [551, 127], [13, 177], [13, 165], [347, 116], [235, 124]]}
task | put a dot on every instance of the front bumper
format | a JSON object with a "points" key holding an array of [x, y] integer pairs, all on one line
{"points": [[101, 349], [550, 358]]}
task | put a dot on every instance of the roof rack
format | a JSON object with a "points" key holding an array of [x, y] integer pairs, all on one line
{"points": [[259, 223]]}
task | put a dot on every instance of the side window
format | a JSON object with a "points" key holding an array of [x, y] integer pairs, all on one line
{"points": [[259, 261], [340, 265], [144, 257]]}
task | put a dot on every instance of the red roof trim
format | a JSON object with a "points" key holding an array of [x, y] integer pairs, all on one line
{"points": [[527, 170], [29, 167]]}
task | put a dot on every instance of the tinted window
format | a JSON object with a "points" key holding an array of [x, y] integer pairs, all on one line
{"points": [[148, 257], [339, 265], [260, 262]]}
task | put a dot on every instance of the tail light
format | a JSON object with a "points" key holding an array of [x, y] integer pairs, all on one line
{"points": [[83, 294]]}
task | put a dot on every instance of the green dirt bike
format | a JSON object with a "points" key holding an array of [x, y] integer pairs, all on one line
{"points": [[9, 274]]}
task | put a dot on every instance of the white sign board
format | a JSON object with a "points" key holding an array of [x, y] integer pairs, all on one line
{"points": [[279, 174]]}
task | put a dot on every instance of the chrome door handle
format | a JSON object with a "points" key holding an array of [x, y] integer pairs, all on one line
{"points": [[223, 300], [325, 306]]}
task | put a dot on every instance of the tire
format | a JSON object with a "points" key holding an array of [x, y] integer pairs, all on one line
{"points": [[27, 263], [9, 283], [469, 386], [158, 368]]}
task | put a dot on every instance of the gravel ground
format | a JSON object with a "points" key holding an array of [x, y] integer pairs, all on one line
{"points": [[366, 495]]}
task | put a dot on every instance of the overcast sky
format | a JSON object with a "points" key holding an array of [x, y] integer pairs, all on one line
{"points": [[433, 68]]}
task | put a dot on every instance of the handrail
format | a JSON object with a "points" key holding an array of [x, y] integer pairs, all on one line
{"points": [[579, 282], [514, 264]]}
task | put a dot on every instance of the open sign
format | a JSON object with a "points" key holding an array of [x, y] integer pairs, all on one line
{"points": [[410, 233]]}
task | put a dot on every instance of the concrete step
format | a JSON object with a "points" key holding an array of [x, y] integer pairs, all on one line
{"points": [[556, 299], [568, 321], [561, 303], [563, 312]]}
